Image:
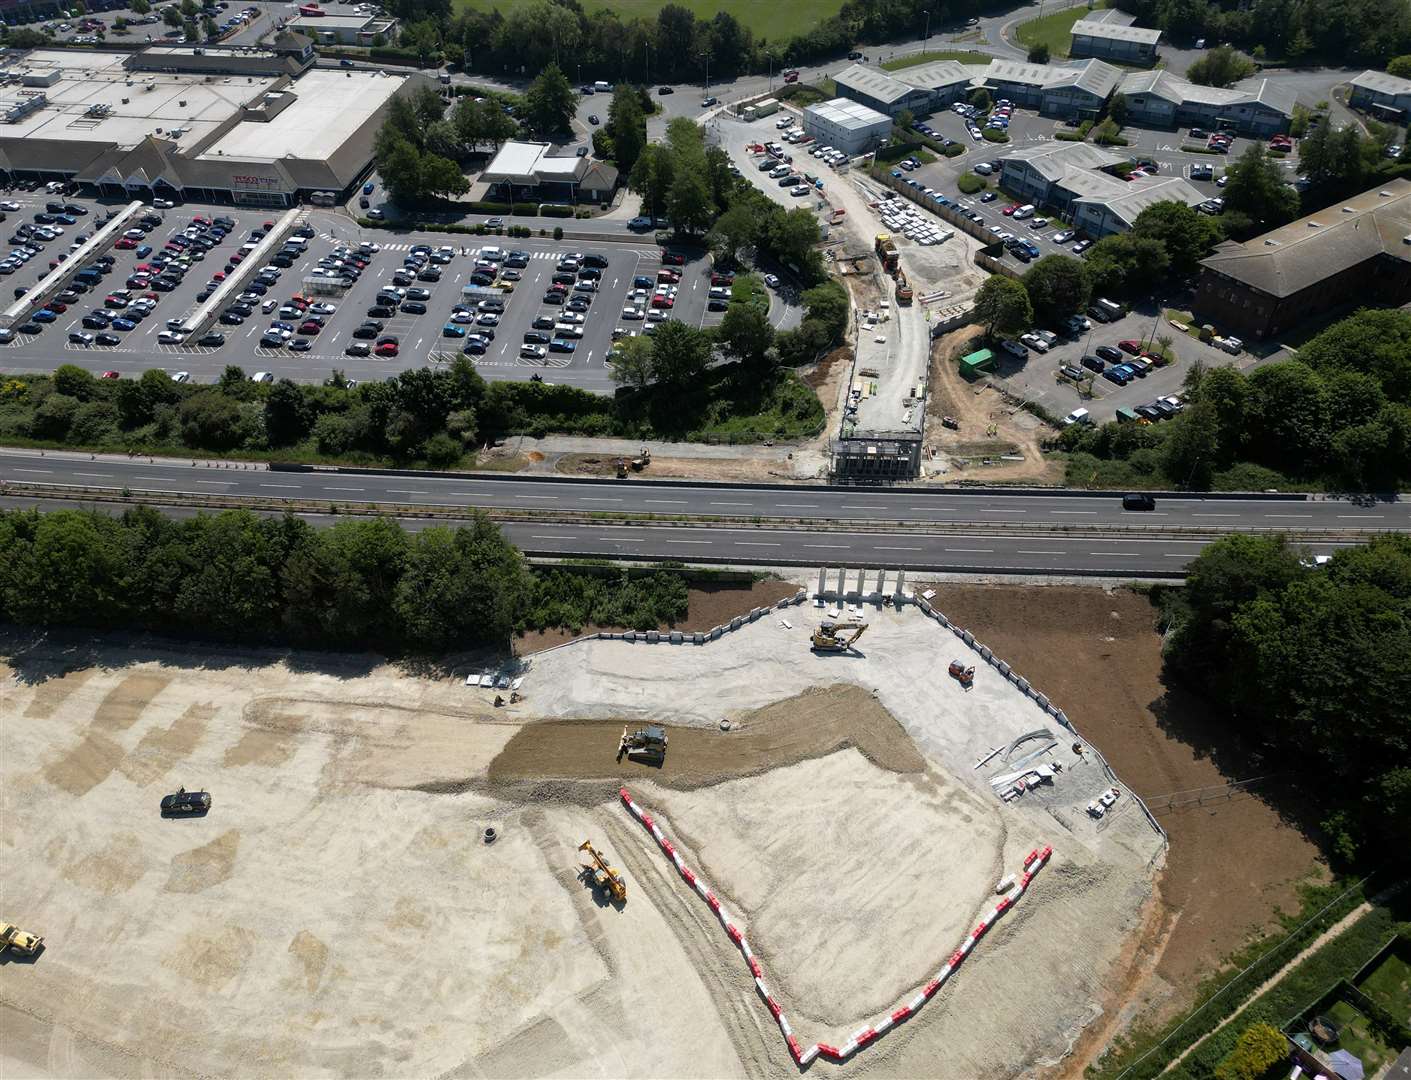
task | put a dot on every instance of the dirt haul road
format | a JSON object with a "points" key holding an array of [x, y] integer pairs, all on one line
{"points": [[338, 912]]}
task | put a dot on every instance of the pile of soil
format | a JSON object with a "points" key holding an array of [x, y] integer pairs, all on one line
{"points": [[810, 725]]}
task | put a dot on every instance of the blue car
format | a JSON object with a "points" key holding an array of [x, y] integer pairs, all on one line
{"points": [[367, 188], [475, 347], [124, 324], [143, 251], [452, 330], [44, 315], [562, 345]]}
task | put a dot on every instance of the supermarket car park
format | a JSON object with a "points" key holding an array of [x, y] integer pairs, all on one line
{"points": [[605, 290]]}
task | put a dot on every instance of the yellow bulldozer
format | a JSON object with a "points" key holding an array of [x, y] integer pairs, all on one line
{"points": [[647, 745], [636, 464], [837, 636], [608, 878], [22, 941]]}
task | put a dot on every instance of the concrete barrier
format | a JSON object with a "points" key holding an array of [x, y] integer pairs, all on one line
{"points": [[676, 637], [653, 637]]}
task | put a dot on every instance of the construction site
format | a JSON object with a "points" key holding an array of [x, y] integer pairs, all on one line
{"points": [[836, 833]]}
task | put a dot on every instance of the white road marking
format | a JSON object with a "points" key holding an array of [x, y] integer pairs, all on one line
{"points": [[1073, 511], [589, 498], [881, 548], [100, 475], [800, 506], [981, 551], [344, 489], [1022, 552], [290, 486], [552, 536], [403, 491], [731, 504], [550, 498], [690, 541], [34, 470], [666, 502], [749, 543], [1359, 517]]}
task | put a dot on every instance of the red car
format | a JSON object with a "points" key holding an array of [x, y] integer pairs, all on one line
{"points": [[309, 328], [219, 275], [199, 220], [111, 375], [386, 349], [236, 258], [57, 305], [671, 258], [127, 243], [1008, 211], [719, 278], [1130, 346], [668, 277]]}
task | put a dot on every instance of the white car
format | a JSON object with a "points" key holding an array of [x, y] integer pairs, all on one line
{"points": [[1035, 342], [1064, 236], [262, 377], [169, 337], [462, 318], [323, 309], [772, 280], [632, 313], [181, 376], [9, 206], [533, 352], [656, 315]]}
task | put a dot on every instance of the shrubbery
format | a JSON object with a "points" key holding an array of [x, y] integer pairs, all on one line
{"points": [[969, 183]]}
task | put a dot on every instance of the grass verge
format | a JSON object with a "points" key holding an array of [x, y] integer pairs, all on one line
{"points": [[777, 22], [962, 56], [1055, 31]]}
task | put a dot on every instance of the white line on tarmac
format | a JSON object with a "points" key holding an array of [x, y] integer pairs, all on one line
{"points": [[550, 498], [977, 551], [403, 491], [1022, 552], [749, 543], [689, 541], [292, 487], [100, 475], [344, 489]]}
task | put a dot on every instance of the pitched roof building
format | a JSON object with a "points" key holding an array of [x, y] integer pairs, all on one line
{"points": [[1102, 35], [1256, 107], [1350, 254]]}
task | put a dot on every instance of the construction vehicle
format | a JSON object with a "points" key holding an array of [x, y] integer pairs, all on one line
{"points": [[886, 252], [605, 877], [903, 289], [636, 464], [837, 636], [22, 941], [961, 673], [647, 745]]}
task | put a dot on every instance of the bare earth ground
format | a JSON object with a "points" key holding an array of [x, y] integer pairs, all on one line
{"points": [[710, 606], [1097, 654], [337, 912]]}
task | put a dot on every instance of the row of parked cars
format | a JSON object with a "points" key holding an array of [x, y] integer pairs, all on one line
{"points": [[572, 288]]}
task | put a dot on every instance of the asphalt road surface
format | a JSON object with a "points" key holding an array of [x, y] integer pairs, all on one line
{"points": [[685, 499]]}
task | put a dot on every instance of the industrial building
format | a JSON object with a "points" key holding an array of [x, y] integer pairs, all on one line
{"points": [[1351, 254], [1255, 107], [528, 172], [1385, 96], [1070, 179], [1109, 35], [846, 125], [348, 29], [920, 90], [169, 124], [1068, 91]]}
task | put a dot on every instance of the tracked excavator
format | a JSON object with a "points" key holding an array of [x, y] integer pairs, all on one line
{"points": [[608, 878], [646, 745], [837, 636]]}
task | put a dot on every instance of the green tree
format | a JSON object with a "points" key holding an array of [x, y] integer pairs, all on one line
{"points": [[441, 176], [1257, 189], [1259, 1048], [627, 125], [423, 38], [549, 103], [680, 352], [1400, 66], [212, 421], [1186, 235], [209, 29], [1127, 265], [652, 179], [400, 168], [688, 203], [287, 418], [73, 381], [189, 8], [461, 588], [53, 418], [1039, 53], [1221, 66], [141, 7], [904, 119], [1189, 455], [827, 305], [1117, 109], [792, 238], [190, 31], [340, 585], [1058, 286], [746, 334], [1002, 306], [733, 234], [631, 362], [60, 568]]}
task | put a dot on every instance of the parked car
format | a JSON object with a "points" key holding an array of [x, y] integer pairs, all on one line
{"points": [[182, 801]]}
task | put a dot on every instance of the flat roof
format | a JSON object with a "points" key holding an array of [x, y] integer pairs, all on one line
{"points": [[331, 22], [515, 161], [161, 48], [97, 100], [847, 114], [329, 107], [1115, 32]]}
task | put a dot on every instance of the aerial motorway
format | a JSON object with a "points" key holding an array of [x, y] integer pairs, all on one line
{"points": [[997, 530]]}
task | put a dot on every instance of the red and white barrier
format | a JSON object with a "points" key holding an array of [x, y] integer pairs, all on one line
{"points": [[1033, 862]]}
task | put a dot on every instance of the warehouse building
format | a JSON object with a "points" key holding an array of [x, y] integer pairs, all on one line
{"points": [[289, 54], [1255, 107], [1110, 35], [1352, 254], [847, 126], [136, 127], [346, 29], [882, 92], [1386, 96], [1068, 91], [528, 172], [1071, 179]]}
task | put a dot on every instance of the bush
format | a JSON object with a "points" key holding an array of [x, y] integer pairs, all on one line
{"points": [[969, 183], [954, 150], [994, 135], [1259, 1049], [442, 451], [558, 232], [555, 210]]}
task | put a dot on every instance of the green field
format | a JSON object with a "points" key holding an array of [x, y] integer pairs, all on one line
{"points": [[913, 59], [1055, 31], [775, 22], [1390, 987]]}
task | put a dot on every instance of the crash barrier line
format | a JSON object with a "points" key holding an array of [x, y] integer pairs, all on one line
{"points": [[1043, 702], [1033, 863]]}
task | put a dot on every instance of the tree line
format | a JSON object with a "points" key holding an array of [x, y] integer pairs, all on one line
{"points": [[1338, 417], [1311, 665], [237, 576], [1362, 33]]}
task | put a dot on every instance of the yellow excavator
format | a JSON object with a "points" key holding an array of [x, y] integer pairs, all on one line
{"points": [[608, 878], [837, 636], [22, 941]]}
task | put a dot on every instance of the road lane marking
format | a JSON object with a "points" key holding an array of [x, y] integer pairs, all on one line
{"points": [[550, 498], [100, 475], [589, 498], [978, 551], [1072, 511], [46, 471], [1359, 517], [838, 547], [344, 489], [403, 491], [553, 536], [800, 506], [1288, 515], [731, 504], [1022, 552], [879, 547], [751, 543], [666, 502], [1004, 511], [294, 487], [690, 541], [1214, 515]]}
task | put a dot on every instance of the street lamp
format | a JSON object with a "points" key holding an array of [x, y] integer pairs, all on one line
{"points": [[928, 27], [706, 58]]}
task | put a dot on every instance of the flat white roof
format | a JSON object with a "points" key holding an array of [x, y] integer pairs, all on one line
{"points": [[847, 114], [329, 107], [516, 160], [195, 104], [330, 22]]}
